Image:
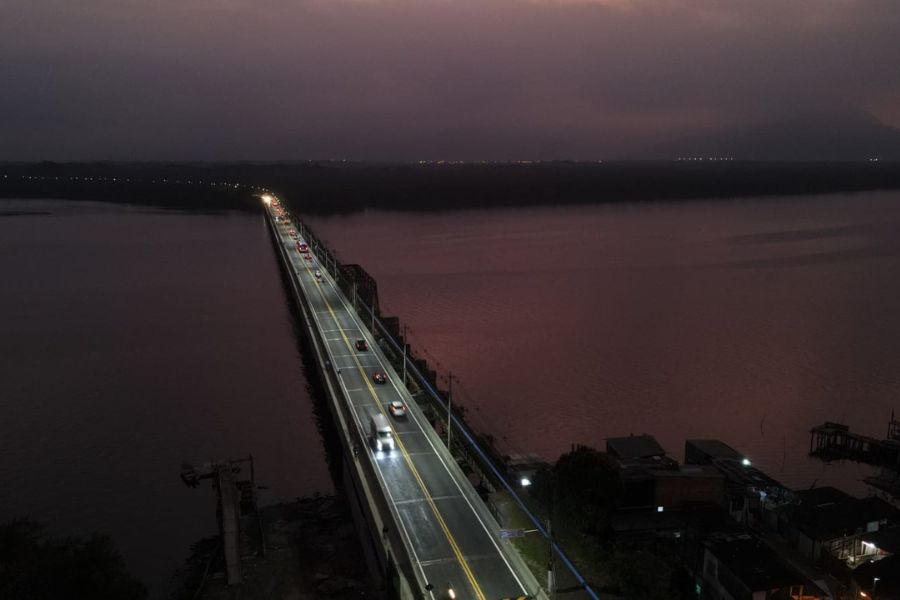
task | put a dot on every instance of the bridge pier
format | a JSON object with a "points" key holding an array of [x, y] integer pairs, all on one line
{"points": [[389, 567]]}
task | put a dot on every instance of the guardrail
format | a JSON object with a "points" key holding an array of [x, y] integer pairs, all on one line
{"points": [[376, 328]]}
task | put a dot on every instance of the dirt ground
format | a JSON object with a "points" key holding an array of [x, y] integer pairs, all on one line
{"points": [[312, 553]]}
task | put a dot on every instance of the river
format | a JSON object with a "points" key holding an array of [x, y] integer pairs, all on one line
{"points": [[133, 340], [749, 321]]}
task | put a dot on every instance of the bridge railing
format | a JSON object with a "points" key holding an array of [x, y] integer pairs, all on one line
{"points": [[378, 329], [354, 432]]}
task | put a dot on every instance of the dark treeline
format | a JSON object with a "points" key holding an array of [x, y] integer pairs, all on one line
{"points": [[319, 187]]}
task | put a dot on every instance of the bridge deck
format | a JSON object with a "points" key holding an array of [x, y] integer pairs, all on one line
{"points": [[453, 542]]}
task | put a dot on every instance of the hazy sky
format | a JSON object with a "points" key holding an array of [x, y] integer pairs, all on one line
{"points": [[411, 79]]}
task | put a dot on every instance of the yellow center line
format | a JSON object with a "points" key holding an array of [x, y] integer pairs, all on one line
{"points": [[437, 513]]}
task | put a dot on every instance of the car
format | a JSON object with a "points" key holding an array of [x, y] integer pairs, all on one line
{"points": [[318, 274], [397, 408], [362, 345], [302, 247], [382, 436], [379, 377], [307, 256]]}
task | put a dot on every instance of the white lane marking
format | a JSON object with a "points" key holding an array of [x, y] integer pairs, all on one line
{"points": [[377, 466], [414, 500], [354, 316], [438, 561]]}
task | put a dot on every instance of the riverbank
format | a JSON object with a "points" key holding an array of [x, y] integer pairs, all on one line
{"points": [[312, 553]]}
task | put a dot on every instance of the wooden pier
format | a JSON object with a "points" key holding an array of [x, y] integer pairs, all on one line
{"points": [[835, 441]]}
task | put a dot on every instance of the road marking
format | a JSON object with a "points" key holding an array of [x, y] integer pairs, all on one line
{"points": [[356, 319], [415, 473], [414, 500], [377, 470]]}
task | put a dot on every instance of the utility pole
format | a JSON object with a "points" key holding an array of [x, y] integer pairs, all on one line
{"points": [[551, 579], [404, 355], [372, 308], [449, 414]]}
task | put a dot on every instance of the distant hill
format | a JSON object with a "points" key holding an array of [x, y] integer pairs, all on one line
{"points": [[847, 135]]}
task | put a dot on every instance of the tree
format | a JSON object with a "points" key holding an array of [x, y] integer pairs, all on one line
{"points": [[36, 567], [587, 486], [639, 575]]}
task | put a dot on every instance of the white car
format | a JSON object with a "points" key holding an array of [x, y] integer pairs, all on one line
{"points": [[397, 408], [318, 274]]}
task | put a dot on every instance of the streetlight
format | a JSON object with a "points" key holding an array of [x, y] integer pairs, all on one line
{"points": [[449, 408], [404, 351]]}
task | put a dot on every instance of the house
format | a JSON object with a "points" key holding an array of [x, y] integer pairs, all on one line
{"points": [[751, 497], [744, 568], [828, 521], [687, 486], [638, 457], [877, 580]]}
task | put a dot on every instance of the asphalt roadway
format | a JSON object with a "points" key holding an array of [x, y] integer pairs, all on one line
{"points": [[454, 545]]}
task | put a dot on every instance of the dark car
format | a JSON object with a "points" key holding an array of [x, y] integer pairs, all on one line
{"points": [[379, 377], [362, 345]]}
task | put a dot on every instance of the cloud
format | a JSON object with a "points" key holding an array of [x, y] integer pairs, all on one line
{"points": [[404, 79]]}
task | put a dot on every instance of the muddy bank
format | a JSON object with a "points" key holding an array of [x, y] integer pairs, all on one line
{"points": [[312, 552]]}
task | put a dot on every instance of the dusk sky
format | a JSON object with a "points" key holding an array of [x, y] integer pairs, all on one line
{"points": [[426, 79]]}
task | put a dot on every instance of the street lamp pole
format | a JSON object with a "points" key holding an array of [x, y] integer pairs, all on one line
{"points": [[551, 580], [404, 355], [449, 416]]}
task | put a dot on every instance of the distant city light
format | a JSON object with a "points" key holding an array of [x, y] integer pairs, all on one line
{"points": [[745, 462], [525, 482], [659, 509]]}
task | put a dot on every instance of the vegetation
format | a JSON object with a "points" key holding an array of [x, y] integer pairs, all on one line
{"points": [[329, 187], [34, 566], [580, 492]]}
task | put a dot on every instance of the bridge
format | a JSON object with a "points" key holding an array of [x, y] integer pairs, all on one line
{"points": [[431, 534]]}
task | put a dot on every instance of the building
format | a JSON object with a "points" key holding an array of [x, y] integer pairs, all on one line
{"points": [[687, 486], [744, 568], [751, 497], [638, 457], [827, 521], [878, 580]]}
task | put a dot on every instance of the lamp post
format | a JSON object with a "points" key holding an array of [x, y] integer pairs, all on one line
{"points": [[404, 355], [449, 416]]}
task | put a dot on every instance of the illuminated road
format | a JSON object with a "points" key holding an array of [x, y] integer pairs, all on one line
{"points": [[452, 535]]}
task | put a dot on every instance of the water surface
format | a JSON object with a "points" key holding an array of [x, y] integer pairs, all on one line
{"points": [[749, 321], [132, 340]]}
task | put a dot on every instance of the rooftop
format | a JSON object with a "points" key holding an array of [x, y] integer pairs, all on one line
{"points": [[827, 513], [755, 564], [634, 446], [714, 449]]}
